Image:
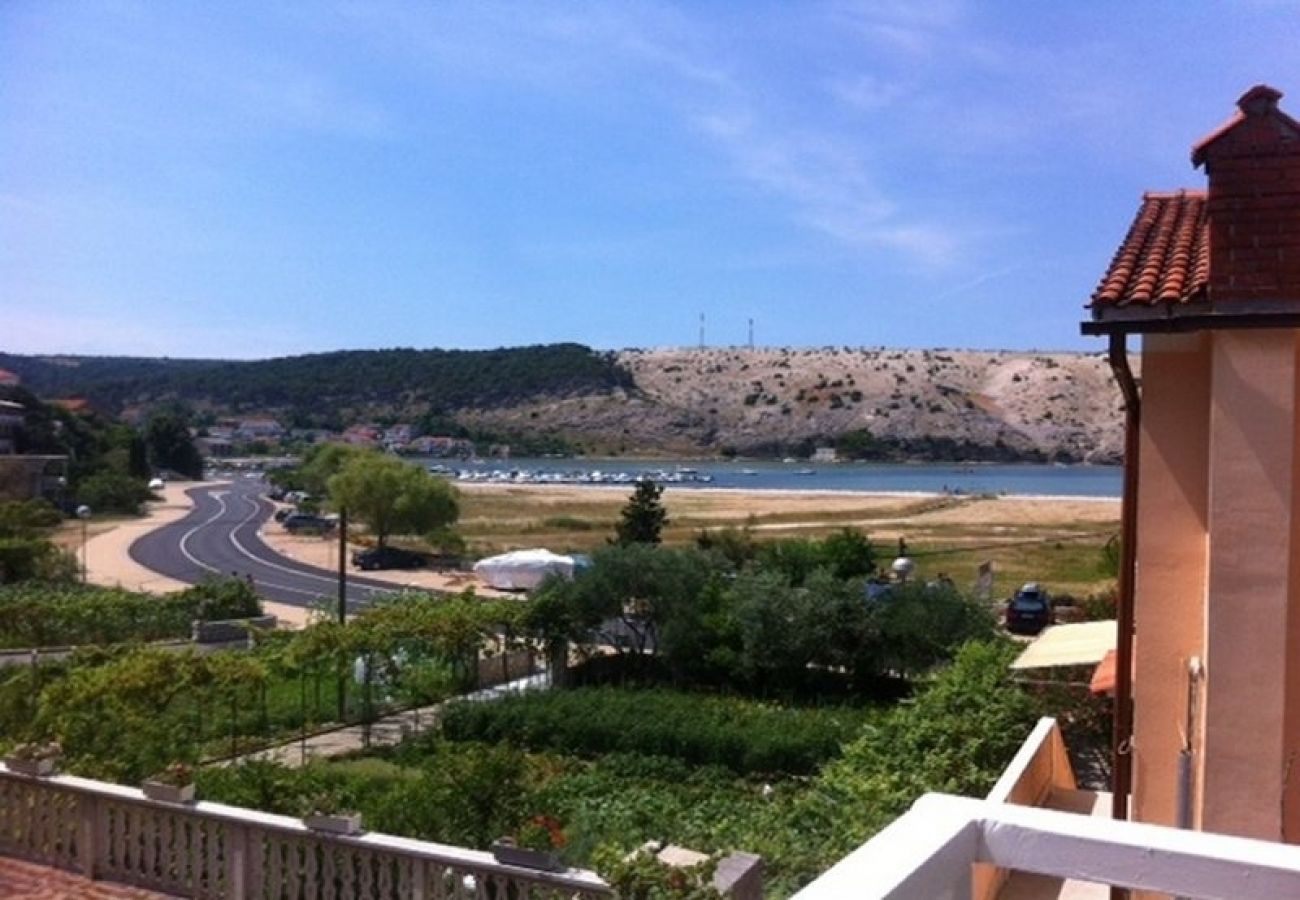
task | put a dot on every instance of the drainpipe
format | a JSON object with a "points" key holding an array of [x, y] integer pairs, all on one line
{"points": [[1123, 738]]}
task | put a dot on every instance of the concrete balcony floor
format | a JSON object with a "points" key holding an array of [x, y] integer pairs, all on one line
{"points": [[20, 880]]}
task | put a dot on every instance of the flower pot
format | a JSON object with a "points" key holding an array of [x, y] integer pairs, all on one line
{"points": [[334, 823], [510, 855], [168, 793], [36, 767]]}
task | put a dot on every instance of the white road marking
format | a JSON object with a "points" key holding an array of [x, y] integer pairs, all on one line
{"points": [[244, 550], [185, 538], [220, 497]]}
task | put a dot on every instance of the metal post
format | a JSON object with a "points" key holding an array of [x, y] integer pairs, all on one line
{"points": [[83, 513], [343, 566], [343, 607]]}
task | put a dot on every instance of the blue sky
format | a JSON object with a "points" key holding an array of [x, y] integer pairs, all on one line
{"points": [[259, 179]]}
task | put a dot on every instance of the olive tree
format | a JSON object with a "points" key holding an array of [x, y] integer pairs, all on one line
{"points": [[393, 497]]}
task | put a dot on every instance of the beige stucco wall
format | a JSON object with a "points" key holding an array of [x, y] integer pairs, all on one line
{"points": [[1171, 578], [1291, 726], [1219, 578], [1252, 485]]}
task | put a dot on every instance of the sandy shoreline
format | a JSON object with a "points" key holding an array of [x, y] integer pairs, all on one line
{"points": [[739, 504]]}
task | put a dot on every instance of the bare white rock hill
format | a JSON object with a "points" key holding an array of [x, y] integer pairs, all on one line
{"points": [[949, 403]]}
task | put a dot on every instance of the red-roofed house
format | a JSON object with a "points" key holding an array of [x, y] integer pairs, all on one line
{"points": [[75, 405], [9, 379], [1210, 279]]}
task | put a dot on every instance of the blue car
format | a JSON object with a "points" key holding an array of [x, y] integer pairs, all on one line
{"points": [[1030, 610]]}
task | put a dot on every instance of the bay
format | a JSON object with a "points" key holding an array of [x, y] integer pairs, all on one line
{"points": [[800, 475]]}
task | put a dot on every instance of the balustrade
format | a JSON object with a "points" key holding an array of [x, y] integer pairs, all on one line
{"points": [[209, 850]]}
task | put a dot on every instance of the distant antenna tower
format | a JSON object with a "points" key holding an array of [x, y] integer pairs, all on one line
{"points": [[751, 334], [701, 331]]}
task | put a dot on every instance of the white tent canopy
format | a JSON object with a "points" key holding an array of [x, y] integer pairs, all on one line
{"points": [[1082, 644], [523, 570]]}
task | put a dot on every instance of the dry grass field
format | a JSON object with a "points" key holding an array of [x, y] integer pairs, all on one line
{"points": [[1054, 540]]}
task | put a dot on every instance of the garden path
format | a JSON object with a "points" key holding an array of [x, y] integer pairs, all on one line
{"points": [[387, 731]]}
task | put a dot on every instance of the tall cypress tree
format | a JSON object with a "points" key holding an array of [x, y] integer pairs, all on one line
{"points": [[644, 517]]}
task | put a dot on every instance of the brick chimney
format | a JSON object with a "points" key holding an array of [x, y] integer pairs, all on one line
{"points": [[1253, 164]]}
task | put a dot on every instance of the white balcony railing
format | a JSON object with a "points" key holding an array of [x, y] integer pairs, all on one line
{"points": [[107, 831], [931, 851]]}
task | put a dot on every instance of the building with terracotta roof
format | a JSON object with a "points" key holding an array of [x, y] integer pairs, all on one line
{"points": [[1206, 796], [75, 405], [1210, 279], [9, 379]]}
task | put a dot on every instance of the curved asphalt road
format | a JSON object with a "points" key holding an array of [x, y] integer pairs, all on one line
{"points": [[219, 537]]}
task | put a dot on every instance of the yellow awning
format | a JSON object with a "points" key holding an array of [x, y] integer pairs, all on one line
{"points": [[1082, 644]]}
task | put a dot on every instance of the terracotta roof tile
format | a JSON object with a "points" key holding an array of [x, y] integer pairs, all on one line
{"points": [[1165, 258]]}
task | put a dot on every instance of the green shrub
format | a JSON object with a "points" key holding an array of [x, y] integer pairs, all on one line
{"points": [[743, 735], [957, 737], [29, 558], [113, 492], [570, 523], [44, 614]]}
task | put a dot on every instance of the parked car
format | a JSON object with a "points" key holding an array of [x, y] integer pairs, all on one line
{"points": [[387, 558], [1030, 610], [296, 523]]}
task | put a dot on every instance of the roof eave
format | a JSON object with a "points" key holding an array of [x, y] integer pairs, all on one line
{"points": [[1200, 316]]}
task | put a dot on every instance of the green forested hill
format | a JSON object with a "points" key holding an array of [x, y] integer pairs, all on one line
{"points": [[62, 376], [317, 386]]}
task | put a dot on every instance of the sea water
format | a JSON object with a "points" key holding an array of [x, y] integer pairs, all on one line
{"points": [[802, 475]]}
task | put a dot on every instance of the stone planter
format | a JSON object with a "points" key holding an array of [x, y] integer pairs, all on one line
{"points": [[168, 793], [334, 823], [543, 860], [34, 767]]}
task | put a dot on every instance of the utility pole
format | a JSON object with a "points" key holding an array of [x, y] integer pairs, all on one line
{"points": [[83, 513], [343, 606], [701, 331], [751, 334]]}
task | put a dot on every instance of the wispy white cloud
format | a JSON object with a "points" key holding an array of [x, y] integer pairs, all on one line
{"points": [[908, 28], [823, 176], [829, 188]]}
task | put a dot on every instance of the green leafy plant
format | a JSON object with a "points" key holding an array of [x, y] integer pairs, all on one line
{"points": [[640, 875], [742, 735], [541, 832]]}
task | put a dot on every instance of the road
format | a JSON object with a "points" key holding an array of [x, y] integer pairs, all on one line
{"points": [[219, 537]]}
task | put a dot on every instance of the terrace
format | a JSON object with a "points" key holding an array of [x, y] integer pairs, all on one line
{"points": [[114, 833]]}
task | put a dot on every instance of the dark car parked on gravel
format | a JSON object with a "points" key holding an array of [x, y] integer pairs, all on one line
{"points": [[387, 558], [297, 523], [1030, 610]]}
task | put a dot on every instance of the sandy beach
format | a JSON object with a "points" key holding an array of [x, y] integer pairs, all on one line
{"points": [[794, 510]]}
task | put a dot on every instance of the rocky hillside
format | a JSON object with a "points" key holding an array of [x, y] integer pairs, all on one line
{"points": [[882, 403], [868, 403]]}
